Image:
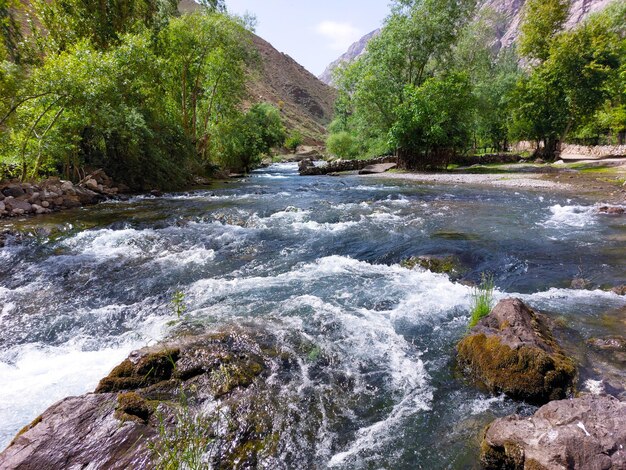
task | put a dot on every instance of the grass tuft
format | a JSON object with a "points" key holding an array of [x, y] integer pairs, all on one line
{"points": [[482, 299]]}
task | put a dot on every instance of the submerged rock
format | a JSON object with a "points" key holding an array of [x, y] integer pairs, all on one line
{"points": [[513, 351], [583, 433], [450, 265]]}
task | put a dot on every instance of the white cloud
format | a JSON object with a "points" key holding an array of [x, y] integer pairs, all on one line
{"points": [[341, 35]]}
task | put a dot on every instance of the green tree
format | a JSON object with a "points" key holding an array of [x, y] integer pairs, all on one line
{"points": [[294, 140], [434, 122], [342, 144], [542, 20], [205, 70]]}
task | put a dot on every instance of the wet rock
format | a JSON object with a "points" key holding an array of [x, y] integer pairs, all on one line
{"points": [[154, 397], [305, 165], [2, 206], [13, 190], [450, 265], [513, 351], [580, 283], [619, 290], [80, 432], [611, 210], [583, 433]]}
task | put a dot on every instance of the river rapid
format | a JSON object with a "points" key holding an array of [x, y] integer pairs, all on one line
{"points": [[315, 260]]}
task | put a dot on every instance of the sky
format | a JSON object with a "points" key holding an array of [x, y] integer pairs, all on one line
{"points": [[313, 32]]}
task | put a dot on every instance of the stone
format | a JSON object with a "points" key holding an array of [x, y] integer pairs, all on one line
{"points": [[619, 290], [13, 190], [45, 204], [91, 184], [13, 204], [513, 351], [378, 168], [580, 283], [71, 201], [116, 426], [583, 433], [18, 212], [38, 209], [66, 186], [2, 206], [611, 210]]}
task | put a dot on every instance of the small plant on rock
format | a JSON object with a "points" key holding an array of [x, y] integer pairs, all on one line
{"points": [[178, 303], [482, 299]]}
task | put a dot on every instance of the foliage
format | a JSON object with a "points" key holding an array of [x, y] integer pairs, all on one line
{"points": [[178, 303], [482, 300], [342, 144], [294, 141], [378, 91], [434, 121], [130, 88], [578, 74], [542, 21], [241, 142]]}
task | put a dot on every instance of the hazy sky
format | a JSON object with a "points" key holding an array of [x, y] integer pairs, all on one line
{"points": [[313, 32]]}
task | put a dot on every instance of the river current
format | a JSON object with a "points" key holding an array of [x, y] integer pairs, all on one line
{"points": [[315, 260]]}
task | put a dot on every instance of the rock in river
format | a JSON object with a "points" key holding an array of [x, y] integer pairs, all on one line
{"points": [[584, 433], [512, 350], [161, 402]]}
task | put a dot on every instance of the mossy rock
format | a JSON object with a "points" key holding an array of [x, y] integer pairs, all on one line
{"points": [[437, 264], [133, 407], [149, 369], [512, 351]]}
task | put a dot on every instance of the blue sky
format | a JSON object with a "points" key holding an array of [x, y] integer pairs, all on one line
{"points": [[313, 32]]}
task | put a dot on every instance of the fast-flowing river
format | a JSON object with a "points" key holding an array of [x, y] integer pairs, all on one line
{"points": [[315, 260]]}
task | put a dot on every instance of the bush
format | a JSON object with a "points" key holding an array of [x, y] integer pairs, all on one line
{"points": [[294, 141], [342, 145]]}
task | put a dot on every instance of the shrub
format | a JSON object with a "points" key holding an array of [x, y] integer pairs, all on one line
{"points": [[293, 141], [342, 144]]}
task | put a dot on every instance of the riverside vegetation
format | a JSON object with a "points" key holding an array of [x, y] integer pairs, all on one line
{"points": [[432, 85], [147, 94]]}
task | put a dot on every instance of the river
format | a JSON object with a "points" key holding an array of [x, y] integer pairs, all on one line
{"points": [[314, 259]]}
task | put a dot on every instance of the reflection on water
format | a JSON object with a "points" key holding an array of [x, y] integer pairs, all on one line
{"points": [[316, 260]]}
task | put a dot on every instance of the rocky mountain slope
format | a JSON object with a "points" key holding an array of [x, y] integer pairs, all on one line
{"points": [[353, 53], [511, 11], [306, 103]]}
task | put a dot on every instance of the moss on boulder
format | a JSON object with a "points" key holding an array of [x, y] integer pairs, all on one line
{"points": [[513, 351]]}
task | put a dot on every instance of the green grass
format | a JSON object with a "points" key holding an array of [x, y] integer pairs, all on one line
{"points": [[482, 300]]}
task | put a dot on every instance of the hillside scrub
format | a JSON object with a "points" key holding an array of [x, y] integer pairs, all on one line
{"points": [[146, 95], [431, 85]]}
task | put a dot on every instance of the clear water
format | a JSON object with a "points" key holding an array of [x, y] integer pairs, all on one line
{"points": [[317, 261]]}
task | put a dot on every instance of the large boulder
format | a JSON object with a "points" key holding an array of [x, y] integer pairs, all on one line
{"points": [[513, 351], [157, 396], [583, 433]]}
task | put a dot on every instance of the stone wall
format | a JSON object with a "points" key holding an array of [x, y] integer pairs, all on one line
{"points": [[593, 152], [308, 168]]}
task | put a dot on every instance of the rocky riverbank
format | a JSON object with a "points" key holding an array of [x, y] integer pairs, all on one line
{"points": [[54, 194], [513, 351]]}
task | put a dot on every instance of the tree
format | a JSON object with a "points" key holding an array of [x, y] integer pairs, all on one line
{"points": [[542, 20], [205, 59], [342, 144], [412, 47], [434, 122]]}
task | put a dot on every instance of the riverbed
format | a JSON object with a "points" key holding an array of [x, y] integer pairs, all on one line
{"points": [[316, 260]]}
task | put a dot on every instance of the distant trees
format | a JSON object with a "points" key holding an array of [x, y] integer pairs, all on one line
{"points": [[432, 84], [294, 140], [131, 88]]}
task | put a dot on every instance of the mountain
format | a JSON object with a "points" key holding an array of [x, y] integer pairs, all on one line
{"points": [[508, 29], [511, 11], [305, 102], [353, 53]]}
